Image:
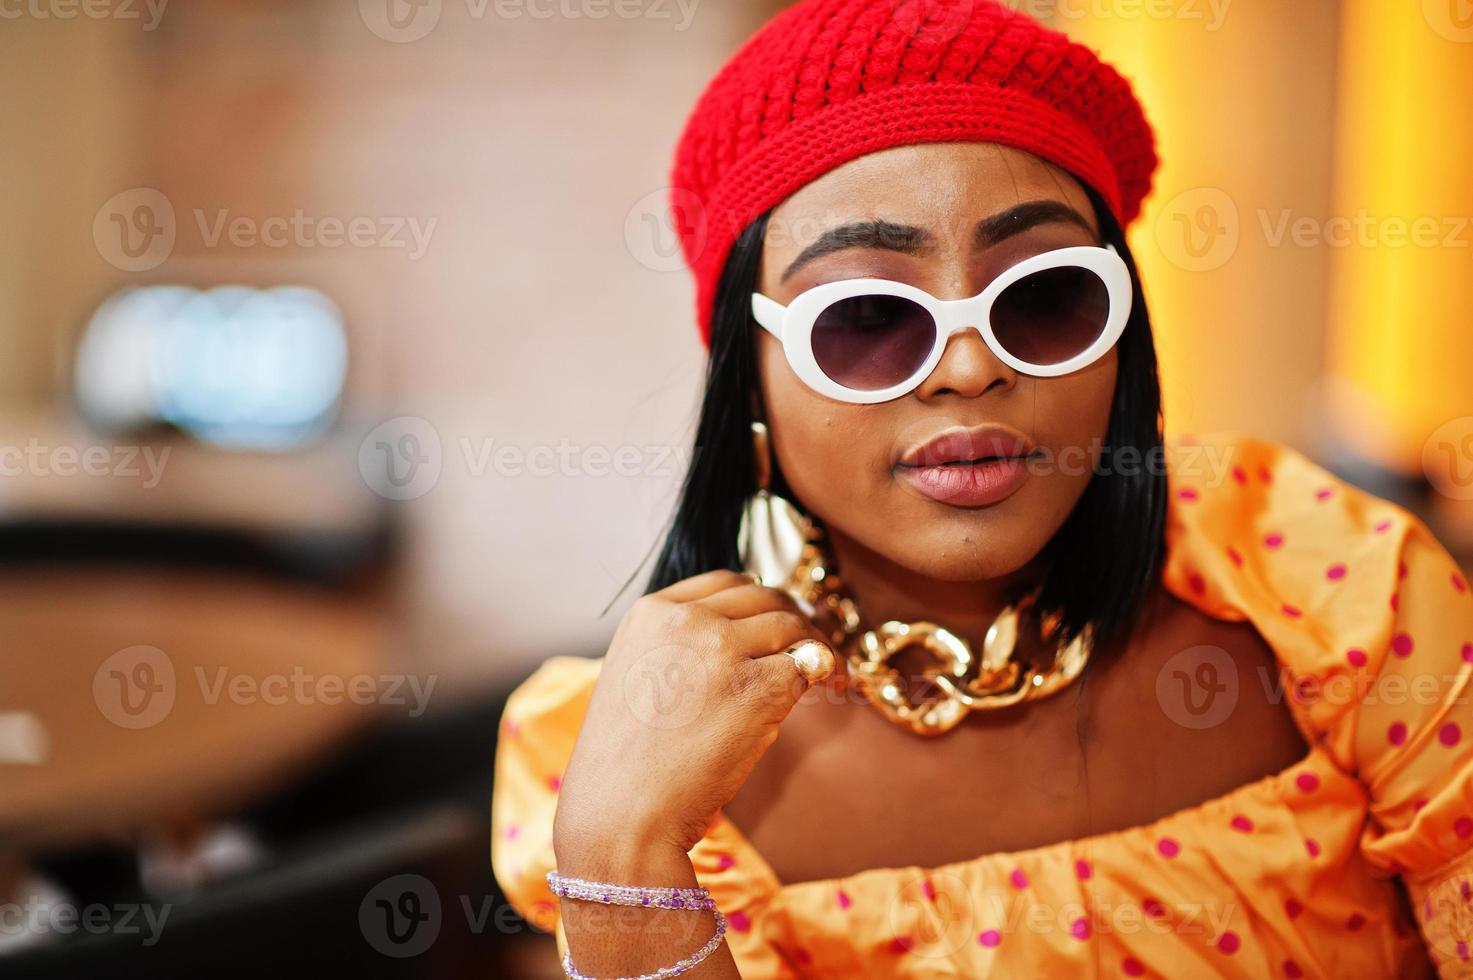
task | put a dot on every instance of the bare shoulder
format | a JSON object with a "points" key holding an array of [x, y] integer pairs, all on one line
{"points": [[1218, 686]]}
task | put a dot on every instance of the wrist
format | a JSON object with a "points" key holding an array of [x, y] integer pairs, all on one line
{"points": [[622, 858]]}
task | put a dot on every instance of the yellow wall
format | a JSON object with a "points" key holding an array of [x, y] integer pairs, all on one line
{"points": [[1401, 338], [1242, 108]]}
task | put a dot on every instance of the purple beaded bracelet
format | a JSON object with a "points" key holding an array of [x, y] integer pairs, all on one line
{"points": [[698, 899]]}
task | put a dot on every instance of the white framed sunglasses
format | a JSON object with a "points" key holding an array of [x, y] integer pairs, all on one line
{"points": [[871, 340]]}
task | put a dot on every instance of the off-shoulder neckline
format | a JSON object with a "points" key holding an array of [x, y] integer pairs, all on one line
{"points": [[725, 838]]}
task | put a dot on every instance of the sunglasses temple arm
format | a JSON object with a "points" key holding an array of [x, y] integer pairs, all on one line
{"points": [[769, 314]]}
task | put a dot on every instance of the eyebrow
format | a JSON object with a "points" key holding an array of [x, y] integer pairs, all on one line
{"points": [[911, 240]]}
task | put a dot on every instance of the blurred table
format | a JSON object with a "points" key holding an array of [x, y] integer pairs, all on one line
{"points": [[140, 698]]}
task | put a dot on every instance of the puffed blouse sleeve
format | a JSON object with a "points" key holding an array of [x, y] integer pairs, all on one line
{"points": [[539, 726], [1411, 735]]}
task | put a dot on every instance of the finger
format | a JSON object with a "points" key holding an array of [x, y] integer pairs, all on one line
{"points": [[702, 585], [742, 601], [782, 679], [771, 632]]}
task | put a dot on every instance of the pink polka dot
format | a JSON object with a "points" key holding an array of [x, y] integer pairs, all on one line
{"points": [[1312, 846], [1335, 572], [843, 897], [989, 937], [1465, 890], [1018, 878], [901, 944], [1418, 804], [1197, 583], [803, 956], [1449, 734], [1237, 558], [1187, 493], [1401, 570], [929, 890], [554, 783], [724, 861], [1462, 949], [1356, 656], [1292, 908], [1079, 928], [1324, 493], [1153, 908], [1402, 645], [1307, 782], [1293, 612], [738, 921], [510, 728], [1131, 967], [1264, 474], [1242, 823], [1459, 583], [511, 832], [1241, 475], [1397, 733], [1168, 847], [1229, 942], [1274, 540], [1468, 652], [1082, 870], [1383, 527], [1355, 921], [1292, 969], [1395, 601]]}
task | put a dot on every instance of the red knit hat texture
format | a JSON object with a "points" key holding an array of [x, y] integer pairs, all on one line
{"points": [[826, 81]]}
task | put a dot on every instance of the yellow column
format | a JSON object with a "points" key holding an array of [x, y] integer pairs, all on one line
{"points": [[1241, 96], [1401, 330]]}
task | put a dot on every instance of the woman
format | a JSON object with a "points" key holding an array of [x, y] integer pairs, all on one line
{"points": [[1102, 705]]}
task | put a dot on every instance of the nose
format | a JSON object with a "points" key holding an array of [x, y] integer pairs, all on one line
{"points": [[968, 368]]}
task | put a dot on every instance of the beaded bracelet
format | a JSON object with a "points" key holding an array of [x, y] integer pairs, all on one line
{"points": [[665, 898]]}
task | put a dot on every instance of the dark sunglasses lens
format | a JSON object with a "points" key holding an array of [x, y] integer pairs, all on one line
{"points": [[1050, 316], [869, 343]]}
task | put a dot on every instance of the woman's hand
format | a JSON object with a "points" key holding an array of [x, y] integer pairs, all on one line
{"points": [[691, 693]]}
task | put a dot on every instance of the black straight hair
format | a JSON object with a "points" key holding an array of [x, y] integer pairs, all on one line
{"points": [[1102, 561]]}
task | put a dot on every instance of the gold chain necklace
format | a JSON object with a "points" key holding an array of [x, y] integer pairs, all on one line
{"points": [[964, 683]]}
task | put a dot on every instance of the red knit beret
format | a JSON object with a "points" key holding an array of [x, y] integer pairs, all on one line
{"points": [[827, 81]]}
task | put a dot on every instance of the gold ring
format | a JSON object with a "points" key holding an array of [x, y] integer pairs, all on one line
{"points": [[814, 660]]}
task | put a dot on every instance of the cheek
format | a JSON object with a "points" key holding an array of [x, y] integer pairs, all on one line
{"points": [[829, 452]]}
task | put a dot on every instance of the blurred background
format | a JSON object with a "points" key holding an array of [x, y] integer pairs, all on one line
{"points": [[348, 370]]}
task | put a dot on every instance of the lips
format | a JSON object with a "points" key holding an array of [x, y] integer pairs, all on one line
{"points": [[961, 446], [968, 467]]}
